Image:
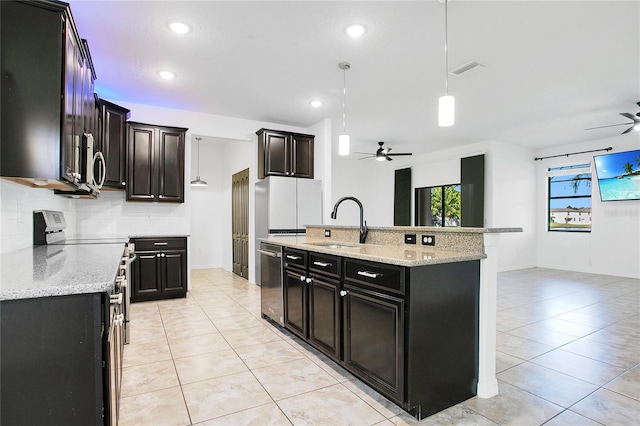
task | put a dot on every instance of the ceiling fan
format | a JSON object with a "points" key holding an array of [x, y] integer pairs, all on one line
{"points": [[382, 153], [635, 119]]}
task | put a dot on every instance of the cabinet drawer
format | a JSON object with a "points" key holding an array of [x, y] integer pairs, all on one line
{"points": [[173, 243], [377, 276], [295, 258], [325, 264]]}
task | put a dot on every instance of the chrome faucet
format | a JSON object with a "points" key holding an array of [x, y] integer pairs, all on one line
{"points": [[363, 223]]}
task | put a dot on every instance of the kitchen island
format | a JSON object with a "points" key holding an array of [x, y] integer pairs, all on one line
{"points": [[415, 322]]}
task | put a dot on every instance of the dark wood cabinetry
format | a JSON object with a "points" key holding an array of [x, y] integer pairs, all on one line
{"points": [[47, 95], [411, 333], [155, 163], [56, 361], [111, 138], [160, 270], [284, 154]]}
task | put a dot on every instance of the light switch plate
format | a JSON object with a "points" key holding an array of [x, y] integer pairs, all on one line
{"points": [[327, 233]]}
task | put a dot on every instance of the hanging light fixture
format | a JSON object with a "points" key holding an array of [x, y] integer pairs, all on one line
{"points": [[198, 181], [446, 103], [343, 139]]}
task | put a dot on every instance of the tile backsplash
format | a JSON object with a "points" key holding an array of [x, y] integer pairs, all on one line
{"points": [[109, 215]]}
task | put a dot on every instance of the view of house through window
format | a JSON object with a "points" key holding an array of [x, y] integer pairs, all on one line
{"points": [[569, 198]]}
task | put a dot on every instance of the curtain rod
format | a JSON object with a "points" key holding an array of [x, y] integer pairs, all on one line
{"points": [[572, 153]]}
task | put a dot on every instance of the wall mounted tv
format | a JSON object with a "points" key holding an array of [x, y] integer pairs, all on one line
{"points": [[618, 175]]}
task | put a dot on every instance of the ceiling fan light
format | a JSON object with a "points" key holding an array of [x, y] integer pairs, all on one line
{"points": [[446, 110], [380, 158], [343, 144]]}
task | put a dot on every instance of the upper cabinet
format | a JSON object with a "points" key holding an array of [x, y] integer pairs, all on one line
{"points": [[284, 154], [155, 163], [111, 138], [47, 95]]}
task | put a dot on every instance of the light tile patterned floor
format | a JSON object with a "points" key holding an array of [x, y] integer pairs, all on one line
{"points": [[568, 354]]}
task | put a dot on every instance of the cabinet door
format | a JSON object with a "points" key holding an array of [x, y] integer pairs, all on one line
{"points": [[174, 273], [170, 160], [141, 181], [71, 142], [325, 316], [276, 154], [295, 302], [113, 147], [302, 156], [145, 271], [374, 341]]}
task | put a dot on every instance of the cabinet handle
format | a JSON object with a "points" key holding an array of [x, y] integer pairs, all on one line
{"points": [[370, 274], [302, 278], [157, 254], [323, 264], [163, 255], [160, 244], [309, 280], [292, 257], [343, 293]]}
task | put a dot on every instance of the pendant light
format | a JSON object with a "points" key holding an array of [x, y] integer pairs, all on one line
{"points": [[343, 139], [446, 103], [198, 181]]}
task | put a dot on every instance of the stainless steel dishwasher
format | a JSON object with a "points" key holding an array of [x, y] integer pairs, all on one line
{"points": [[271, 290]]}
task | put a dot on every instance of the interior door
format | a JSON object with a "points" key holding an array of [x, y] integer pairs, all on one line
{"points": [[240, 222]]}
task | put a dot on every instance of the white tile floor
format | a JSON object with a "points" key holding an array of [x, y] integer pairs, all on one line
{"points": [[568, 354]]}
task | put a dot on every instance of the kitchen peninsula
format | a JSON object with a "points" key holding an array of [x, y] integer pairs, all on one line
{"points": [[411, 312]]}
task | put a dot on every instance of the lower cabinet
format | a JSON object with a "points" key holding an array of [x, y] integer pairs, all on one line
{"points": [[58, 357], [410, 333], [160, 270]]}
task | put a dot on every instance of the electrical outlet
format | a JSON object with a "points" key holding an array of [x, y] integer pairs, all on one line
{"points": [[409, 238], [327, 233], [428, 240]]}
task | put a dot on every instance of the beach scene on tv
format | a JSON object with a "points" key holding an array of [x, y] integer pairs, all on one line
{"points": [[619, 175]]}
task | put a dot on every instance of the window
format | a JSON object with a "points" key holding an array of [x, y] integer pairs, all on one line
{"points": [[437, 202], [569, 192]]}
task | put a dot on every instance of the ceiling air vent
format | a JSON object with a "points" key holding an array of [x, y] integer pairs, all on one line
{"points": [[465, 68]]}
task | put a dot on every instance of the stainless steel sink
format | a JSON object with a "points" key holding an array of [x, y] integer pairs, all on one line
{"points": [[333, 245]]}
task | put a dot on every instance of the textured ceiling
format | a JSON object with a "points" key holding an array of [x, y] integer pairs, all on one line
{"points": [[551, 68]]}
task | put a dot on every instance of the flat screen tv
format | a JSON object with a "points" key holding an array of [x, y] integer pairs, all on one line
{"points": [[618, 175]]}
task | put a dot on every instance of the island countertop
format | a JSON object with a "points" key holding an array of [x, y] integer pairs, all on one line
{"points": [[57, 270], [401, 255]]}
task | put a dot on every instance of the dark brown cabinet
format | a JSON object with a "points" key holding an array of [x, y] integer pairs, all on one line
{"points": [[411, 333], [284, 154], [160, 269], [155, 163], [111, 138], [47, 95]]}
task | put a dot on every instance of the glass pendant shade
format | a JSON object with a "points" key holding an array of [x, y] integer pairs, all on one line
{"points": [[446, 110], [343, 144]]}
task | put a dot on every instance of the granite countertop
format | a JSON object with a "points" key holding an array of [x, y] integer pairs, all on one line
{"points": [[442, 229], [391, 254], [57, 270]]}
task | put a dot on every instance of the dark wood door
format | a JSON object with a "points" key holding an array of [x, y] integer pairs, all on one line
{"points": [[145, 271], [302, 156], [141, 175], [170, 162], [295, 302], [325, 316], [113, 138], [173, 266], [374, 341], [277, 151], [72, 140], [240, 222]]}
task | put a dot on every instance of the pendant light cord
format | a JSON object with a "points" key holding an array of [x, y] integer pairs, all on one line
{"points": [[446, 50], [344, 99], [199, 157]]}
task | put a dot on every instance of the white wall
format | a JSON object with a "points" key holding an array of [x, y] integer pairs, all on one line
{"points": [[613, 245]]}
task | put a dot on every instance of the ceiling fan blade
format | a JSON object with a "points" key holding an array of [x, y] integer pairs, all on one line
{"points": [[628, 130], [629, 116], [364, 158], [402, 153], [610, 125], [365, 153], [388, 158]]}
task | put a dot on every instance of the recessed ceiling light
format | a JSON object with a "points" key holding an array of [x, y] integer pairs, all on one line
{"points": [[167, 75], [355, 31], [316, 103], [179, 27]]}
